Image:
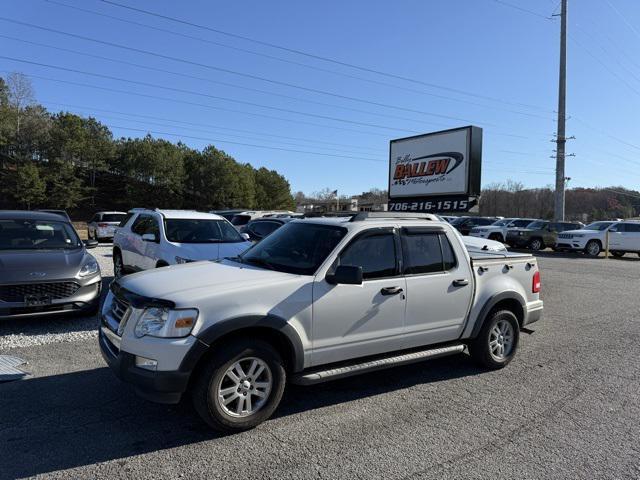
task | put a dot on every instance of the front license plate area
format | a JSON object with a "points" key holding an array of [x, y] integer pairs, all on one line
{"points": [[37, 300]]}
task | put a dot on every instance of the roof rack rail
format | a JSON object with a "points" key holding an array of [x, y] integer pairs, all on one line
{"points": [[398, 215]]}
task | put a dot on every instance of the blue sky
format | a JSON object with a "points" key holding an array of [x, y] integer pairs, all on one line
{"points": [[484, 62]]}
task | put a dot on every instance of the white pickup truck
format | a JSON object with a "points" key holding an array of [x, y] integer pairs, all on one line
{"points": [[317, 300]]}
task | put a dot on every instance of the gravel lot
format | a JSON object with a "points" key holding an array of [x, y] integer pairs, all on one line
{"points": [[566, 407]]}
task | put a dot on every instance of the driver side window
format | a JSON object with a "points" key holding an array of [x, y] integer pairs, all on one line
{"points": [[376, 254]]}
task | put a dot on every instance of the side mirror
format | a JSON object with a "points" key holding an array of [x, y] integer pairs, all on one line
{"points": [[345, 274], [90, 243], [245, 236], [149, 237]]}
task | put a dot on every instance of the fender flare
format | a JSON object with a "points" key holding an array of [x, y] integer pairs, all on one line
{"points": [[216, 331], [492, 302]]}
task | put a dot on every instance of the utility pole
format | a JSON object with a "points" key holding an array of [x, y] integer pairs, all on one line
{"points": [[561, 139]]}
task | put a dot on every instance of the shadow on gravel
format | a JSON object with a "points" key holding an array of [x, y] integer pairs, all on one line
{"points": [[64, 421]]}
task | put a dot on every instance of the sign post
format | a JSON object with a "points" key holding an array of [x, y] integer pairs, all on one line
{"points": [[436, 172]]}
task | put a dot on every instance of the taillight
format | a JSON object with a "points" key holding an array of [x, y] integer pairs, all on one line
{"points": [[535, 285], [103, 225]]}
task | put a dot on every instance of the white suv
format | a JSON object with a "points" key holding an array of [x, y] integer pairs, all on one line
{"points": [[158, 238], [103, 225], [498, 230], [624, 237]]}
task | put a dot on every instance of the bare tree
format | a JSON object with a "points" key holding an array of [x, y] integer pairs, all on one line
{"points": [[20, 95]]}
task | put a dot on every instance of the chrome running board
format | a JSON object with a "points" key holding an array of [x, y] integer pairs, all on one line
{"points": [[318, 376]]}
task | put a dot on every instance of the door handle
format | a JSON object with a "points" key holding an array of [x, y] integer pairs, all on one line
{"points": [[461, 282], [391, 290]]}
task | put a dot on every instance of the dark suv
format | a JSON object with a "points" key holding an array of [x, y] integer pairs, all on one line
{"points": [[540, 234], [465, 224]]}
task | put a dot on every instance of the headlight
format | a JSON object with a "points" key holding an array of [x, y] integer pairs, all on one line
{"points": [[89, 268], [578, 235], [167, 323], [521, 233], [183, 260]]}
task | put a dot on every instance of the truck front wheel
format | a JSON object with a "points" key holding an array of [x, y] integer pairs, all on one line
{"points": [[240, 386], [496, 344]]}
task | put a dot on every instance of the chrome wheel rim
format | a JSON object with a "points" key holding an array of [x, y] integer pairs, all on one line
{"points": [[501, 338], [535, 245], [245, 387], [593, 248]]}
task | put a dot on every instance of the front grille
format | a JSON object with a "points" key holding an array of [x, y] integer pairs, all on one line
{"points": [[565, 235], [118, 309], [55, 290], [117, 316]]}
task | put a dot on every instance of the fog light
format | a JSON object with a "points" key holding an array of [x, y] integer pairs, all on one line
{"points": [[146, 363]]}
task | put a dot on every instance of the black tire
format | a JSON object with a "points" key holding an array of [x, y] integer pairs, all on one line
{"points": [[592, 248], [536, 244], [211, 377], [118, 265], [480, 348], [617, 253]]}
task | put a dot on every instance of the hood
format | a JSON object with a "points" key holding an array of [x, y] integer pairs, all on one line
{"points": [[474, 244], [39, 265], [210, 251], [191, 281]]}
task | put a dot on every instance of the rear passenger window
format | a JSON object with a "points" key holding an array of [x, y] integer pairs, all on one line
{"points": [[632, 227], [376, 254], [427, 252], [422, 253]]}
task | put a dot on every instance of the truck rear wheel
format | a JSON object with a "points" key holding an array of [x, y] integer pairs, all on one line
{"points": [[497, 342], [240, 386]]}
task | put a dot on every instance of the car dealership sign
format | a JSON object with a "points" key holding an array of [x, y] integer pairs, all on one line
{"points": [[436, 172]]}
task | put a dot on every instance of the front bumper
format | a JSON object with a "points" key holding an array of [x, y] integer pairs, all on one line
{"points": [[161, 386], [517, 241], [85, 298], [570, 244]]}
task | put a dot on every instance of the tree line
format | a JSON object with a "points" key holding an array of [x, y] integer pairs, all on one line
{"points": [[63, 160]]}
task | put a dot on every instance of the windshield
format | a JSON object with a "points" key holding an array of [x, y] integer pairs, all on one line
{"points": [[113, 217], [537, 225], [183, 230], [239, 220], [298, 248], [599, 226], [457, 220], [501, 223], [24, 234]]}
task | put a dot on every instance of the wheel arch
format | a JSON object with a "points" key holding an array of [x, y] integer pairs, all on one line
{"points": [[511, 301], [270, 328]]}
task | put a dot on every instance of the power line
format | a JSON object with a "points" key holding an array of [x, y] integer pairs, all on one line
{"points": [[218, 82], [206, 95], [202, 105], [624, 19], [193, 129], [310, 55], [253, 132], [164, 87], [525, 10], [241, 143], [233, 72], [292, 62]]}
